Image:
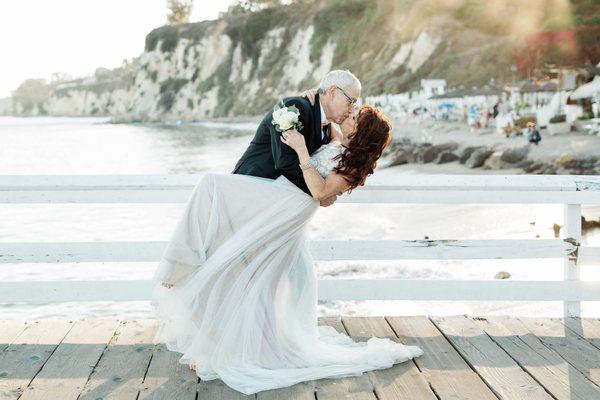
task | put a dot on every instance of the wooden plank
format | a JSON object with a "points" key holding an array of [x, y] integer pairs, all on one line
{"points": [[546, 366], [68, 368], [445, 370], [350, 388], [500, 372], [589, 255], [401, 381], [573, 348], [455, 289], [587, 328], [325, 250], [9, 330], [440, 249], [329, 289], [299, 391], [470, 197], [123, 364], [217, 389], [571, 268], [425, 181], [22, 360], [361, 196], [168, 379], [406, 189]]}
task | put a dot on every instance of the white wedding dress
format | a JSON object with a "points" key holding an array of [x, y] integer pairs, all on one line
{"points": [[243, 305]]}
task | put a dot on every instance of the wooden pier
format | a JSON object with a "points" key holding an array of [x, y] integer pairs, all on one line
{"points": [[464, 358]]}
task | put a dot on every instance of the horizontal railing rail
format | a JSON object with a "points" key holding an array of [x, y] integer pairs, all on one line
{"points": [[570, 190]]}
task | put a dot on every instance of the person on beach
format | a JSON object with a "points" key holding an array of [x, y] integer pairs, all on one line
{"points": [[533, 133]]}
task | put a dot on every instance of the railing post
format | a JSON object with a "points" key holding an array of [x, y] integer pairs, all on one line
{"points": [[572, 230]]}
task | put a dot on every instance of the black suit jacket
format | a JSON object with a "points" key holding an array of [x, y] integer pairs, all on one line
{"points": [[268, 157]]}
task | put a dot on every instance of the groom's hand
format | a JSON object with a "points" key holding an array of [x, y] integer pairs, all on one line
{"points": [[328, 201]]}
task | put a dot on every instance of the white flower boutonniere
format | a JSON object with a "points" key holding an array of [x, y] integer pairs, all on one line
{"points": [[285, 118]]}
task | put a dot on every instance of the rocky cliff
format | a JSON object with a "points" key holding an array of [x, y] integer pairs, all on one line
{"points": [[243, 63]]}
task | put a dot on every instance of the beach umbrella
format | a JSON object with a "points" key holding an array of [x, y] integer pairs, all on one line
{"points": [[589, 89]]}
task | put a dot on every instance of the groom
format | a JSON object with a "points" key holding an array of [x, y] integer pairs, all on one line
{"points": [[268, 157]]}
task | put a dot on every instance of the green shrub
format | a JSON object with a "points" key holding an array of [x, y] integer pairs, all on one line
{"points": [[250, 28], [206, 85], [334, 19], [588, 115], [172, 85], [166, 100], [167, 34], [558, 118], [168, 92]]}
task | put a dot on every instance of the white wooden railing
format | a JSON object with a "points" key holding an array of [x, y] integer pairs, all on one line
{"points": [[571, 191]]}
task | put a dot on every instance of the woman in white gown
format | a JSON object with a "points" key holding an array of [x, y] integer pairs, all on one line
{"points": [[236, 291]]}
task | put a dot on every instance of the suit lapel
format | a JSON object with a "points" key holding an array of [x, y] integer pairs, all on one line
{"points": [[317, 128]]}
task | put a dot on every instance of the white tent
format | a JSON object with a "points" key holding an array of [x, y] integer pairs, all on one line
{"points": [[589, 89]]}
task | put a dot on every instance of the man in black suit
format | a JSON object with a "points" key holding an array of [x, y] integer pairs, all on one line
{"points": [[268, 157]]}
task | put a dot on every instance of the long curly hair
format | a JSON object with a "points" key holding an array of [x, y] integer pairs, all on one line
{"points": [[372, 134]]}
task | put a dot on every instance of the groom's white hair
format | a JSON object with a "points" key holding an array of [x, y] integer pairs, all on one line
{"points": [[339, 77]]}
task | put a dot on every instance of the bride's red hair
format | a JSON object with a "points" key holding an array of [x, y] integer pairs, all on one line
{"points": [[372, 134]]}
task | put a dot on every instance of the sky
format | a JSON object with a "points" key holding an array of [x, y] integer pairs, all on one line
{"points": [[40, 37]]}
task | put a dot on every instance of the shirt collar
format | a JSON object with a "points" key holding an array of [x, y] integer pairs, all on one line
{"points": [[324, 120]]}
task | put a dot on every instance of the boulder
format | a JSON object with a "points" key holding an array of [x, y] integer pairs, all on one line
{"points": [[541, 168], [467, 151], [514, 154], [446, 157], [495, 161], [523, 163], [478, 157], [429, 154], [398, 158], [580, 163]]}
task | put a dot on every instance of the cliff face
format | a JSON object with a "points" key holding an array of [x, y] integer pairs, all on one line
{"points": [[243, 64]]}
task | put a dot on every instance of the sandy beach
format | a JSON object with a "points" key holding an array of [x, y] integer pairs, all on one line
{"points": [[552, 149]]}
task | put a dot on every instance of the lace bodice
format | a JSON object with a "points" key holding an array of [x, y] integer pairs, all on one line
{"points": [[323, 157]]}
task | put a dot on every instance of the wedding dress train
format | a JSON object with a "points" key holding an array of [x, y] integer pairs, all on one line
{"points": [[243, 305]]}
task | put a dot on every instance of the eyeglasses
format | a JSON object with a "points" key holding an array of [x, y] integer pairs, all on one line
{"points": [[351, 100]]}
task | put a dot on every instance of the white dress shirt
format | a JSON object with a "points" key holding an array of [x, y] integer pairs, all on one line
{"points": [[324, 120]]}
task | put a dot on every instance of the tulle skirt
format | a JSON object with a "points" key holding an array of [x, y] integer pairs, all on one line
{"points": [[243, 305]]}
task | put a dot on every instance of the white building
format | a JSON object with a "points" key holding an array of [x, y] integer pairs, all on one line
{"points": [[432, 87]]}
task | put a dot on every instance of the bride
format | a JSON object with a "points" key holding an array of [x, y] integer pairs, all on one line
{"points": [[236, 291]]}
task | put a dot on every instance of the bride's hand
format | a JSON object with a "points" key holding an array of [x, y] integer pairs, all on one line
{"points": [[310, 95], [294, 139]]}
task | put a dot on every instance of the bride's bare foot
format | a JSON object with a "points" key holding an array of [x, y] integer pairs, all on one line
{"points": [[192, 366], [167, 285]]}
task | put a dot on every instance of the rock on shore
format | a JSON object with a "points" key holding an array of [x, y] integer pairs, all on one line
{"points": [[494, 157]]}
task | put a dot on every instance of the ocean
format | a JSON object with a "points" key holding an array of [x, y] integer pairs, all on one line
{"points": [[59, 146]]}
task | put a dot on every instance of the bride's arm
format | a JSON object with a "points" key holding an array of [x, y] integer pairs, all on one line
{"points": [[320, 188]]}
